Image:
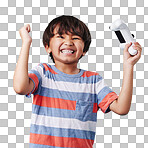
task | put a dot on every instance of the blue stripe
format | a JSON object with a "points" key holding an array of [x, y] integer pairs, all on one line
{"points": [[88, 80], [39, 85], [29, 95], [83, 115], [62, 132], [36, 73], [55, 93], [101, 95], [58, 77], [31, 145]]}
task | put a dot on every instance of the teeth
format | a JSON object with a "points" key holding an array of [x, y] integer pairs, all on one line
{"points": [[67, 51]]}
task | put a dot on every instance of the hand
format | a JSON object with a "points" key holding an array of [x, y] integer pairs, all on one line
{"points": [[129, 59], [24, 33]]}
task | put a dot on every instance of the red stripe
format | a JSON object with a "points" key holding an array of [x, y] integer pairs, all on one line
{"points": [[54, 102], [48, 68], [89, 73], [108, 99], [95, 108], [60, 141], [35, 79]]}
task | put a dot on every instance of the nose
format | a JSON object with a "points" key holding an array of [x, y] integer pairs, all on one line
{"points": [[68, 42]]}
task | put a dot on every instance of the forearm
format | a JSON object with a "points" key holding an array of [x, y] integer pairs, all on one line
{"points": [[21, 79], [125, 96], [123, 103]]}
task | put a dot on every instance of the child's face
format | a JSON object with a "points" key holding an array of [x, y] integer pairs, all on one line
{"points": [[66, 48]]}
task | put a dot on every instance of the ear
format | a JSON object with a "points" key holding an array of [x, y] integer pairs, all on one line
{"points": [[83, 53], [48, 50]]}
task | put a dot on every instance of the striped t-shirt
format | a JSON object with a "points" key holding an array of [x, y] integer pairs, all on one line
{"points": [[64, 112]]}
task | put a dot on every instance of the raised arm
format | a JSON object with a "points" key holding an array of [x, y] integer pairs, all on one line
{"points": [[21, 82], [122, 104]]}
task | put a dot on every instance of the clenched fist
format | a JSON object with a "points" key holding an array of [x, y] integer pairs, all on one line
{"points": [[24, 33], [132, 60]]}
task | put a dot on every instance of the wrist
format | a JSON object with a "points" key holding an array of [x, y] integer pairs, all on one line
{"points": [[26, 42], [128, 68], [128, 65]]}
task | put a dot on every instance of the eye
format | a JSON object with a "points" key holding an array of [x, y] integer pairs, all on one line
{"points": [[60, 36], [76, 38]]}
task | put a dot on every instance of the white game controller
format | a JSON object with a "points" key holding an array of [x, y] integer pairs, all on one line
{"points": [[124, 35]]}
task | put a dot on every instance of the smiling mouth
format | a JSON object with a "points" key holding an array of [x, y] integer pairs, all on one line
{"points": [[67, 51]]}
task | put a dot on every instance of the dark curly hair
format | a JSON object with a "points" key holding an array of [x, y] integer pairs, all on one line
{"points": [[67, 24]]}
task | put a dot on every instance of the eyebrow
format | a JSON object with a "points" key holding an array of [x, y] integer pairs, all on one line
{"points": [[68, 34]]}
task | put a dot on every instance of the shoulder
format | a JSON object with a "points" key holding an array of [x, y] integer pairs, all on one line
{"points": [[90, 74], [41, 67], [46, 68]]}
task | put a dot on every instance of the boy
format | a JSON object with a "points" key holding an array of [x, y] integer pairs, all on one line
{"points": [[66, 99]]}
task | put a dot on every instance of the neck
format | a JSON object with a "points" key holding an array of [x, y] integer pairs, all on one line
{"points": [[67, 68]]}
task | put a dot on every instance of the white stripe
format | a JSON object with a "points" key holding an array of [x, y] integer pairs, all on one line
{"points": [[73, 87], [70, 86], [67, 123], [39, 69], [100, 85]]}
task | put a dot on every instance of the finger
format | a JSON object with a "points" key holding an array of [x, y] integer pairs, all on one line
{"points": [[127, 46], [137, 56], [27, 27], [136, 43], [138, 47], [139, 50]]}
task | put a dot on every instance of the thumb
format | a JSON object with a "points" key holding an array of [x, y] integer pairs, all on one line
{"points": [[127, 46], [28, 28]]}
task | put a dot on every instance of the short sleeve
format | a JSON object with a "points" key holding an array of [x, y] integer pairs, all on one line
{"points": [[105, 96], [35, 75]]}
